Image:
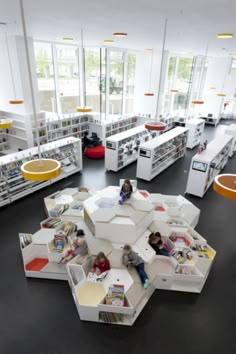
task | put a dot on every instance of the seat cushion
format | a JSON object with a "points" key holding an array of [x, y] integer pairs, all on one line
{"points": [[97, 152]]}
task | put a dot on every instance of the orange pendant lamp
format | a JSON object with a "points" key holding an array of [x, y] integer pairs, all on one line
{"points": [[149, 93], [156, 124], [225, 185]]}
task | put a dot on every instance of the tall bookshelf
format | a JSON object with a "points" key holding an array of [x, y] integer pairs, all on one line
{"points": [[158, 154], [13, 186], [231, 130], [207, 165], [196, 128], [122, 149]]}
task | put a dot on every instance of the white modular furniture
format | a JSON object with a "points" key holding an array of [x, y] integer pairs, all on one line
{"points": [[231, 130], [196, 128], [211, 120], [205, 166], [161, 152], [13, 186], [122, 149], [186, 269]]}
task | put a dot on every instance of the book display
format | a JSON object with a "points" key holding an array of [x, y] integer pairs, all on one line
{"points": [[122, 149], [12, 184], [207, 165], [158, 154], [117, 296], [196, 128]]}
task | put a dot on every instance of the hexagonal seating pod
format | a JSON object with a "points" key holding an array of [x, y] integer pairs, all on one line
{"points": [[107, 219]]}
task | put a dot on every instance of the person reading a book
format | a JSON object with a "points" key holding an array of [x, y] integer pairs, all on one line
{"points": [[126, 191], [79, 247], [155, 241], [101, 264], [131, 258]]}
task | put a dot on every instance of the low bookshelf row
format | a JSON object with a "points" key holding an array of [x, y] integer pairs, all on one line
{"points": [[207, 165], [158, 154], [12, 184], [122, 149]]}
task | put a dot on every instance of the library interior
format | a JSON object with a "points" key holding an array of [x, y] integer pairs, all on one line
{"points": [[117, 176]]}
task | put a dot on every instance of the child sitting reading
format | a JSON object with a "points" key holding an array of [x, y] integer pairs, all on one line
{"points": [[131, 258], [126, 191], [157, 244], [79, 247], [101, 264]]}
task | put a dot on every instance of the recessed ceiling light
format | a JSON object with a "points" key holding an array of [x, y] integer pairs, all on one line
{"points": [[108, 41], [68, 39], [120, 34], [225, 35]]}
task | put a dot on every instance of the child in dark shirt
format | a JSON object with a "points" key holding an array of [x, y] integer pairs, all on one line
{"points": [[157, 244], [126, 191]]}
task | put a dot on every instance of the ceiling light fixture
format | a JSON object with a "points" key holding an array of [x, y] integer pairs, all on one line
{"points": [[108, 41], [120, 34], [68, 39], [233, 54], [197, 102], [221, 94], [15, 101], [174, 91], [212, 88], [225, 185], [148, 49], [225, 35], [155, 124], [39, 169]]}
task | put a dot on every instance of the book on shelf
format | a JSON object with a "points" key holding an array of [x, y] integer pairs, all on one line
{"points": [[58, 210], [25, 240], [51, 223], [110, 317], [116, 295]]}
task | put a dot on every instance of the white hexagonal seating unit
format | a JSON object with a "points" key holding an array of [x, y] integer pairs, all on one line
{"points": [[107, 219]]}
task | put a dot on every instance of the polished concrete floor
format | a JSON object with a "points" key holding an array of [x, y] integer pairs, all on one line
{"points": [[39, 316]]}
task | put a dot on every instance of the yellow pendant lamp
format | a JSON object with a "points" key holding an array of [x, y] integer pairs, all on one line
{"points": [[39, 169], [15, 101], [225, 185], [6, 123], [83, 108]]}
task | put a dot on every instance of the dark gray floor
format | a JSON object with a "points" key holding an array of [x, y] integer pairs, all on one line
{"points": [[39, 316]]}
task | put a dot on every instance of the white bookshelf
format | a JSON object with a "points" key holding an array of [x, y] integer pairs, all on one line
{"points": [[196, 128], [211, 120], [161, 152], [205, 166], [13, 186], [122, 149], [231, 130]]}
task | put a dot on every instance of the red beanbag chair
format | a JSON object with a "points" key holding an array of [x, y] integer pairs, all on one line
{"points": [[97, 152]]}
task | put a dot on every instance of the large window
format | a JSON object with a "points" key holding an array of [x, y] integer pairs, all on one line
{"points": [[116, 82], [106, 82], [68, 77], [95, 78], [45, 76], [131, 66], [178, 84]]}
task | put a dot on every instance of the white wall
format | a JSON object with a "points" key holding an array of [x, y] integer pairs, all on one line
{"points": [[20, 74], [217, 69], [142, 104]]}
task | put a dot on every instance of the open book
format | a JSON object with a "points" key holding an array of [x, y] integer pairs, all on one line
{"points": [[94, 277]]}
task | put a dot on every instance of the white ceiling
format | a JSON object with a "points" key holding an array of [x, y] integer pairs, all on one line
{"points": [[191, 23]]}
